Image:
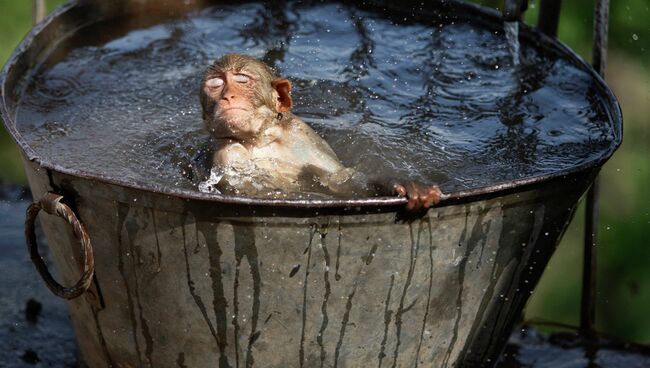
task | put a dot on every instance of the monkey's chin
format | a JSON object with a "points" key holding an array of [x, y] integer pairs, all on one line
{"points": [[234, 127], [241, 123]]}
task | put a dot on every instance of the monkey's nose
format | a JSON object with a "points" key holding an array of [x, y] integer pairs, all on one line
{"points": [[228, 97]]}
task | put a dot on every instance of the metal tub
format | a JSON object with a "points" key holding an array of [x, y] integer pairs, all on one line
{"points": [[187, 279]]}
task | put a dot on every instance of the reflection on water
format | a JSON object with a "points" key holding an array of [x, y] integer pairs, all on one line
{"points": [[440, 100]]}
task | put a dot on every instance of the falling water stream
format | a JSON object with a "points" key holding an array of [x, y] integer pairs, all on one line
{"points": [[511, 30]]}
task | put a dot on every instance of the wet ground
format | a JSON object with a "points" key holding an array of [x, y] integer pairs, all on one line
{"points": [[35, 330]]}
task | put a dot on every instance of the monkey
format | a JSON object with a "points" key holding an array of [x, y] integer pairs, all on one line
{"points": [[264, 149]]}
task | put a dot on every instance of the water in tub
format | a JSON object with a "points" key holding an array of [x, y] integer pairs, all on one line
{"points": [[438, 100]]}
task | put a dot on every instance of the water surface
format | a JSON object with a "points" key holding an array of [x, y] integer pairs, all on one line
{"points": [[437, 101]]}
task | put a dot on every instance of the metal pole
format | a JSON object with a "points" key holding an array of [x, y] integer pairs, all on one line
{"points": [[38, 10], [599, 52], [549, 16], [588, 302], [513, 10], [589, 259]]}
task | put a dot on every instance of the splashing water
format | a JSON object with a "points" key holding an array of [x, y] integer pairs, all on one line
{"points": [[210, 184]]}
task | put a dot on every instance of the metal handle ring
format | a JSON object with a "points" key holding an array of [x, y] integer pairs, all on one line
{"points": [[51, 204]]}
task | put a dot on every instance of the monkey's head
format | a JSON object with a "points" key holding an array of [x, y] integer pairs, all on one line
{"points": [[240, 95]]}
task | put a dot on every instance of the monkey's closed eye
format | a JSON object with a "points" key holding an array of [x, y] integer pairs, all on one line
{"points": [[214, 82], [241, 78]]}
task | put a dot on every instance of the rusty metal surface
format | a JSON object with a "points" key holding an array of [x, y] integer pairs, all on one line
{"points": [[79, 12], [205, 285], [51, 204], [36, 329]]}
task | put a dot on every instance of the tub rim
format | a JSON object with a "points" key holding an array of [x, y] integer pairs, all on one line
{"points": [[603, 93]]}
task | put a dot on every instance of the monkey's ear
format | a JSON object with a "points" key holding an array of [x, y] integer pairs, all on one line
{"points": [[283, 87]]}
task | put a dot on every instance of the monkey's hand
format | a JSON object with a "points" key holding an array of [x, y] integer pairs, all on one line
{"points": [[420, 197]]}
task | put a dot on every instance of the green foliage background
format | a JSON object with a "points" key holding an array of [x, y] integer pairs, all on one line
{"points": [[624, 249]]}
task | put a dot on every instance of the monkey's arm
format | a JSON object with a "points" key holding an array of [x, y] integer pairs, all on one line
{"points": [[340, 180], [321, 164]]}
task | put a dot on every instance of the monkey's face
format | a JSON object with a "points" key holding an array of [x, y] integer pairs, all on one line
{"points": [[234, 105], [240, 96]]}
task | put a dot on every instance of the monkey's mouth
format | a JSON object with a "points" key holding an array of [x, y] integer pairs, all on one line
{"points": [[233, 108]]}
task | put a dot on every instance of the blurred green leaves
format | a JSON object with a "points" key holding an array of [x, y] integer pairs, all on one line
{"points": [[15, 22]]}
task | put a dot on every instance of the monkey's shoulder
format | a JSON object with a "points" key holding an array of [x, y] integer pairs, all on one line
{"points": [[230, 152], [307, 136], [298, 126]]}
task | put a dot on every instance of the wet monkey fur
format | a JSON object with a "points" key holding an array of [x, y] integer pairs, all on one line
{"points": [[264, 148]]}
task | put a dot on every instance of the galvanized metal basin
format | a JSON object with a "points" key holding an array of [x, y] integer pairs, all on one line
{"points": [[189, 279]]}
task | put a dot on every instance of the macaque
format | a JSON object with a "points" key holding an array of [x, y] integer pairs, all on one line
{"points": [[263, 149]]}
